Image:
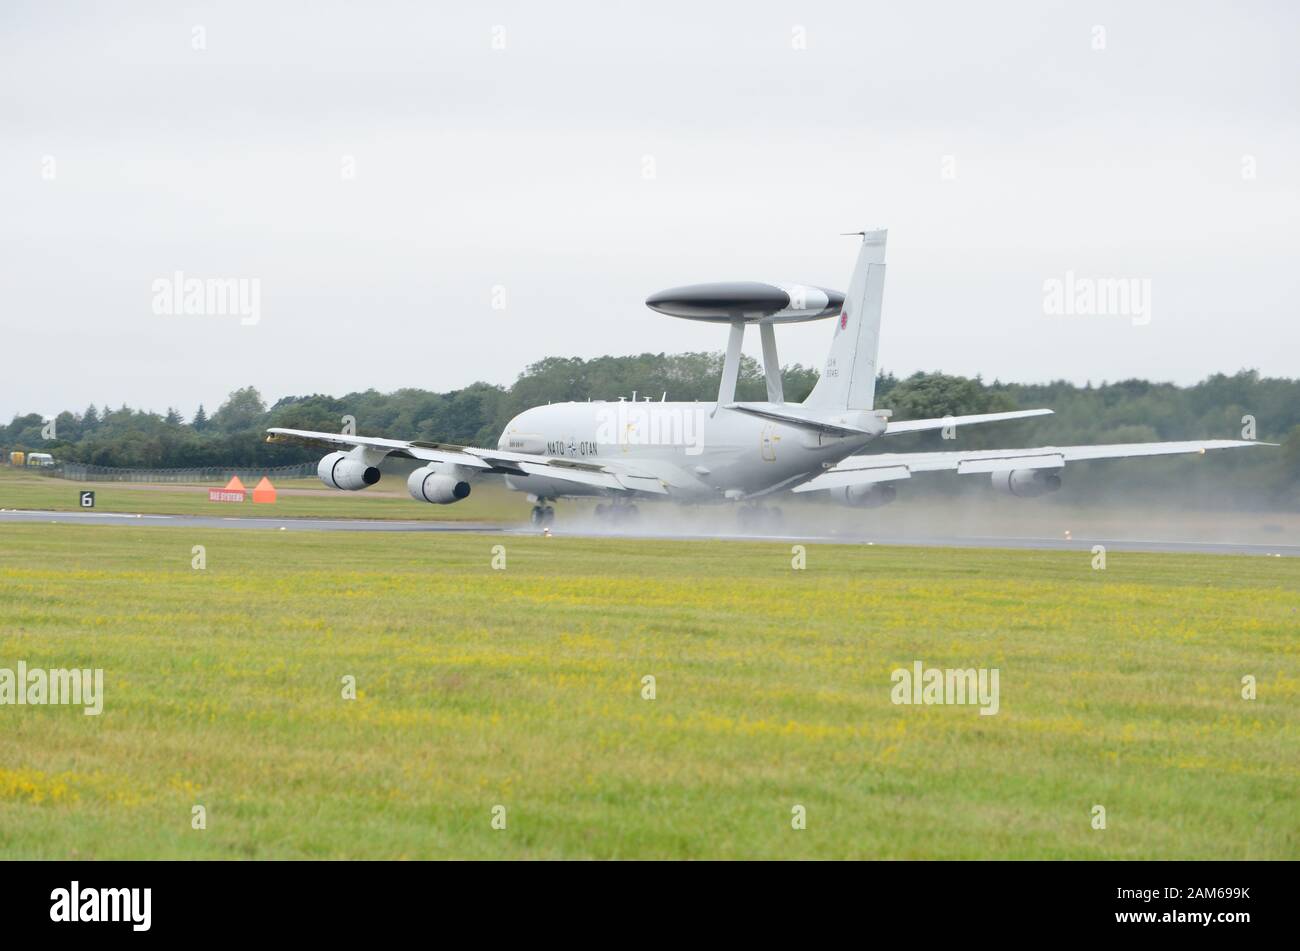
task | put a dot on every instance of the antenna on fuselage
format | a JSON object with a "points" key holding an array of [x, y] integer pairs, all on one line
{"points": [[739, 303]]}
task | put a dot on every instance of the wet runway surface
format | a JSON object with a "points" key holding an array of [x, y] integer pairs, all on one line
{"points": [[559, 531]]}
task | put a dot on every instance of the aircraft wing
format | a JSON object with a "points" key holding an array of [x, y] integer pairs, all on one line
{"points": [[616, 477], [891, 466]]}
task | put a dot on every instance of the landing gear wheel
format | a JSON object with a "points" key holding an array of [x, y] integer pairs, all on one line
{"points": [[542, 516], [617, 513], [755, 518]]}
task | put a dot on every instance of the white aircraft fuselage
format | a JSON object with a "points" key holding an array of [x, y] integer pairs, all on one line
{"points": [[702, 453]]}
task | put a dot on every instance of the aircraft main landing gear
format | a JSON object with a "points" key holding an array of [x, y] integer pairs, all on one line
{"points": [[617, 513], [542, 516], [758, 518]]}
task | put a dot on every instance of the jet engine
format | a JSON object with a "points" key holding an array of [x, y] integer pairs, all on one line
{"points": [[339, 471], [1027, 483], [872, 495], [430, 485]]}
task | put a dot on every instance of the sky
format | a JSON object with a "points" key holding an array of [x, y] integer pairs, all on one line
{"points": [[428, 194]]}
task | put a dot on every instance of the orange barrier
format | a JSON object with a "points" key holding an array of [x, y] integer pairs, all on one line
{"points": [[264, 491]]}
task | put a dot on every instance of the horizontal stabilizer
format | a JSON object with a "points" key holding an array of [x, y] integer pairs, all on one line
{"points": [[803, 422], [924, 425]]}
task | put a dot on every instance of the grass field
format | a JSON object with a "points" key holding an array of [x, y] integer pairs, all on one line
{"points": [[522, 688]]}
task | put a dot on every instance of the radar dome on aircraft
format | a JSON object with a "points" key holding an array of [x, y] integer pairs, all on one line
{"points": [[748, 301]]}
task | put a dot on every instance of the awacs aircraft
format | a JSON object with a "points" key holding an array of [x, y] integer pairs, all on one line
{"points": [[728, 451]]}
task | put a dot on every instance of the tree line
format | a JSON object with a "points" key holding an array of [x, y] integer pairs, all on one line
{"points": [[1221, 406]]}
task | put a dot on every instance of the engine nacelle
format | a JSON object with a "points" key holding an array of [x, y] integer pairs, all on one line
{"points": [[338, 471], [872, 495], [430, 485], [1027, 483]]}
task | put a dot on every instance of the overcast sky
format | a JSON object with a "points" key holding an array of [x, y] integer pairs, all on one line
{"points": [[385, 169]]}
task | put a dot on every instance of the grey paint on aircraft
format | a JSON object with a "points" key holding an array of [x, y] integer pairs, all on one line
{"points": [[725, 301]]}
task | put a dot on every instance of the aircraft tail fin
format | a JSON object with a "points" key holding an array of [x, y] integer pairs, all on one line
{"points": [[848, 380]]}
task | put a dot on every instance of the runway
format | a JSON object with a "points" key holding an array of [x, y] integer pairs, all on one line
{"points": [[499, 528]]}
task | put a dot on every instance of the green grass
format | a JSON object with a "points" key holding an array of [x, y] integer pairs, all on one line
{"points": [[299, 498], [522, 688]]}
